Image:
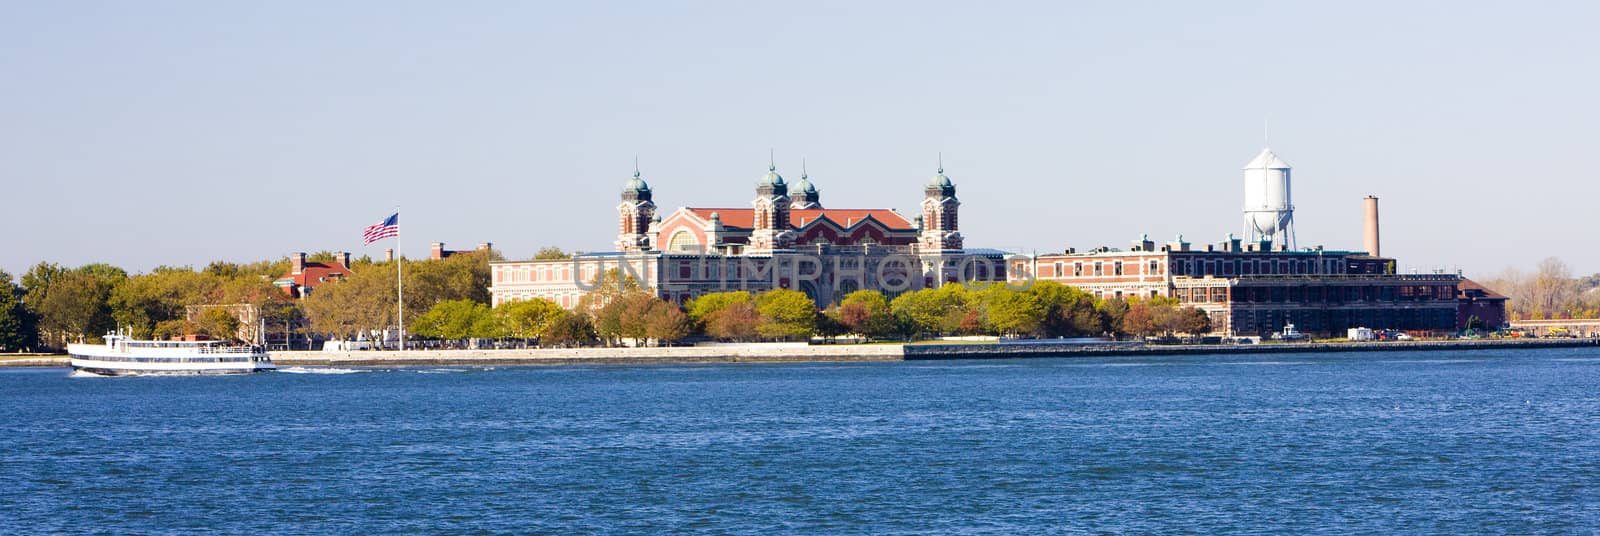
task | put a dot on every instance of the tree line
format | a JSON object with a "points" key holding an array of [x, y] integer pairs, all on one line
{"points": [[51, 305], [1549, 291], [620, 310]]}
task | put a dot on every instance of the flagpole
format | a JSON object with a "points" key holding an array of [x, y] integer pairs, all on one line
{"points": [[400, 281]]}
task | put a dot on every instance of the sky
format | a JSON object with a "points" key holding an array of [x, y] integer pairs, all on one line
{"points": [[177, 133]]}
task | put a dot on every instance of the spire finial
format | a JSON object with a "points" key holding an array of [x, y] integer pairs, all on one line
{"points": [[635, 166], [772, 160], [941, 161], [803, 175]]}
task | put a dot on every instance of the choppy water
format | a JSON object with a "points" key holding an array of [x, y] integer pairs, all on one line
{"points": [[1469, 443]]}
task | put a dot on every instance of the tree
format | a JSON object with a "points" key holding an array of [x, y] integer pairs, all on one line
{"points": [[17, 329], [457, 319], [72, 305], [665, 322], [704, 306], [218, 323], [551, 253], [867, 312], [1069, 311], [1010, 312], [1113, 311], [568, 329], [1192, 320], [623, 317], [947, 309], [738, 321], [786, 314], [527, 319]]}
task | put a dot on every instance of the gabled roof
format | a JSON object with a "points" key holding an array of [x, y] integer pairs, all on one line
{"points": [[315, 273], [744, 218], [1471, 289]]}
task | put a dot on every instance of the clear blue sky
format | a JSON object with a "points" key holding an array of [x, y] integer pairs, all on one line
{"points": [[149, 133]]}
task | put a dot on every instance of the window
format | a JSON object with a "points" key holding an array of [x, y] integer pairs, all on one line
{"points": [[1099, 269], [1077, 269], [1116, 268], [1059, 271], [1155, 268], [683, 241]]}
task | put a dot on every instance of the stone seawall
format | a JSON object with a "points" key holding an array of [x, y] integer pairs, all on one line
{"points": [[1044, 349], [589, 356]]}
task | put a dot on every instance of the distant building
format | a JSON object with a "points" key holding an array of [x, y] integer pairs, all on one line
{"points": [[781, 241], [1475, 300], [437, 251], [1256, 289], [303, 277]]}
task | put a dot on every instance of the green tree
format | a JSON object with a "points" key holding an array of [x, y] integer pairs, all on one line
{"points": [[72, 305], [17, 329], [931, 311], [551, 253], [867, 312], [786, 314], [569, 329], [219, 324], [1010, 312], [1069, 311], [704, 306], [456, 319], [1113, 311], [527, 319]]}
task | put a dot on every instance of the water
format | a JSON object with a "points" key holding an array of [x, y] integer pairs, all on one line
{"points": [[1468, 443]]}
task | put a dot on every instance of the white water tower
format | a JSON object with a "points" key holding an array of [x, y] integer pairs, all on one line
{"points": [[1268, 213]]}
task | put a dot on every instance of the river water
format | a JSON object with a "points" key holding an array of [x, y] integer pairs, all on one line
{"points": [[1437, 442]]}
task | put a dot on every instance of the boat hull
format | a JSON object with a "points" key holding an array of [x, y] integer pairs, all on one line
{"points": [[123, 368]]}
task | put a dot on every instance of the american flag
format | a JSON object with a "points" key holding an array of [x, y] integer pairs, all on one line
{"points": [[389, 227]]}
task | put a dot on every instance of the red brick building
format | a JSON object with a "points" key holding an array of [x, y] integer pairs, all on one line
{"points": [[303, 277]]}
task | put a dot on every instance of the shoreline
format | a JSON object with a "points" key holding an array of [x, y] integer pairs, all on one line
{"points": [[844, 353]]}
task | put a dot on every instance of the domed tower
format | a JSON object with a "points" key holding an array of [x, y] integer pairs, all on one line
{"points": [[805, 194], [771, 226], [1268, 210], [940, 227], [636, 211]]}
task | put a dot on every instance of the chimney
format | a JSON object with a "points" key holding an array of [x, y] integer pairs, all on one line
{"points": [[388, 254], [438, 251], [344, 259], [1370, 227], [297, 263], [486, 246]]}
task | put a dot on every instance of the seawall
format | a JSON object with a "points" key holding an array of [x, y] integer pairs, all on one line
{"points": [[796, 353]]}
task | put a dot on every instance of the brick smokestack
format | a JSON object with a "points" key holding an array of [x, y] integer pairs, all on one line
{"points": [[297, 263], [438, 251], [1370, 227], [388, 254], [343, 258]]}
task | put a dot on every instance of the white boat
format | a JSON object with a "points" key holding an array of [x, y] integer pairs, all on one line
{"points": [[122, 355], [1290, 334]]}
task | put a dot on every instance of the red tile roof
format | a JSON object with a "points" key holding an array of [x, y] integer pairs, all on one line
{"points": [[315, 273], [745, 217]]}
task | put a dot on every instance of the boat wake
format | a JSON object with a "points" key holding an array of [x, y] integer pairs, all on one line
{"points": [[85, 374], [320, 370]]}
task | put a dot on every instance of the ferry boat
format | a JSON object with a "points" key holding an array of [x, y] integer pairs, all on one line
{"points": [[122, 355]]}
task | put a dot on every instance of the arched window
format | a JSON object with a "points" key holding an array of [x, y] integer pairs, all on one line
{"points": [[683, 241]]}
